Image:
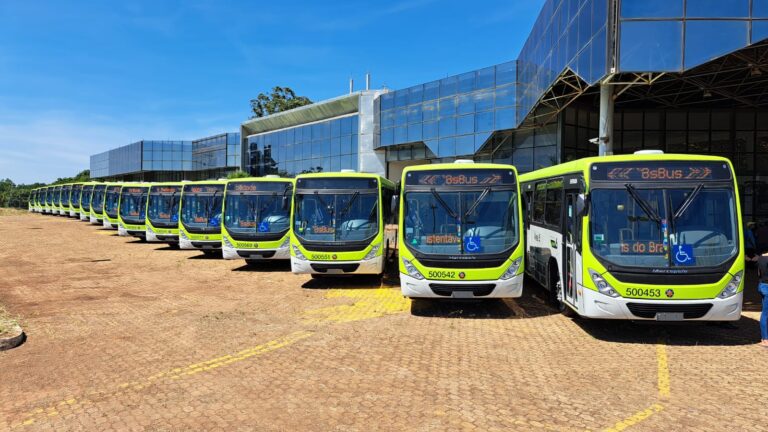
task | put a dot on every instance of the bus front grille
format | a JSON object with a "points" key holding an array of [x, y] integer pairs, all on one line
{"points": [[323, 268], [689, 311], [249, 254], [446, 290]]}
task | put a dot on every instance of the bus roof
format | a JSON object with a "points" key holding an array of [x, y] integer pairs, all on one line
{"points": [[337, 174], [583, 165], [261, 179]]}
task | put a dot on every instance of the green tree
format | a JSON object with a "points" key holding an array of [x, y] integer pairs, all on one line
{"points": [[238, 174], [279, 100]]}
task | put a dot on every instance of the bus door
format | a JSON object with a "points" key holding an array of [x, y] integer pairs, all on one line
{"points": [[571, 241]]}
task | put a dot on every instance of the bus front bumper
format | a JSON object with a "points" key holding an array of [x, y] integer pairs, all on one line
{"points": [[231, 253], [84, 217], [373, 266], [415, 288], [596, 305], [96, 221], [108, 224], [153, 237], [185, 243]]}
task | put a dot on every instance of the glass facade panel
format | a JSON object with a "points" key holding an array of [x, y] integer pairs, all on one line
{"points": [[651, 8], [759, 31], [708, 39], [651, 46], [759, 8], [717, 8]]}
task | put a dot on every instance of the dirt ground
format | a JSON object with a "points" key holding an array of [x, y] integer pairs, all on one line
{"points": [[124, 335]]}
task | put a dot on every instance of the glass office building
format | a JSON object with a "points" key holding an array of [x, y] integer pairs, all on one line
{"points": [[216, 156]]}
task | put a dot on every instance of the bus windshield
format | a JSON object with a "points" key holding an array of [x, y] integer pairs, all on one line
{"points": [[112, 199], [97, 199], [461, 222], [163, 208], [75, 195], [664, 227], [201, 207], [85, 199], [258, 208], [133, 204]]}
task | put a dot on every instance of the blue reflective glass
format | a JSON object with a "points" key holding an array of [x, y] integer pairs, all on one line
{"points": [[505, 119], [414, 132], [466, 82], [352, 145], [401, 98], [465, 124], [430, 130], [429, 110], [335, 128], [486, 78], [599, 14], [447, 107], [465, 145], [346, 125], [717, 8], [759, 9], [388, 119], [447, 126], [598, 56], [651, 46], [480, 139], [448, 86], [585, 26], [355, 124], [446, 147], [431, 90], [506, 73], [401, 134], [466, 104], [505, 96], [415, 94], [414, 113], [759, 31], [651, 8], [707, 40], [483, 100], [401, 116], [484, 121]]}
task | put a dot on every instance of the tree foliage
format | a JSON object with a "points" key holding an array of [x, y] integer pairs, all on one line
{"points": [[17, 195], [237, 175], [279, 100]]}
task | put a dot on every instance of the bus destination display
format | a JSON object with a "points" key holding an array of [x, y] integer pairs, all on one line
{"points": [[660, 171], [479, 177], [206, 189]]}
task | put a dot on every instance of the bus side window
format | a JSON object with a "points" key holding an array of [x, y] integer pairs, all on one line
{"points": [[554, 203], [539, 201]]}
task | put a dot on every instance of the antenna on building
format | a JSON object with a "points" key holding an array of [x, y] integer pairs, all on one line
{"points": [[351, 85], [368, 81]]}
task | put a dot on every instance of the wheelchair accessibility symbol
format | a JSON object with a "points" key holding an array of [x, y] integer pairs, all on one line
{"points": [[683, 255], [472, 244]]}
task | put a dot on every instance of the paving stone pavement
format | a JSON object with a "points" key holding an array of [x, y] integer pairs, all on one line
{"points": [[125, 335]]}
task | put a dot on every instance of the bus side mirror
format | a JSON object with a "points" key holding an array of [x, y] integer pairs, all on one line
{"points": [[395, 205], [582, 205], [285, 203]]}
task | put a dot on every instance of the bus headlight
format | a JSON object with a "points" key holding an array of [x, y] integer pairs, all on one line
{"points": [[227, 243], [512, 270], [298, 254], [732, 288], [150, 230], [183, 235], [602, 285], [412, 270], [372, 254]]}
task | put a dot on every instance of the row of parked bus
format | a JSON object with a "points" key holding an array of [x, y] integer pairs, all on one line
{"points": [[648, 236]]}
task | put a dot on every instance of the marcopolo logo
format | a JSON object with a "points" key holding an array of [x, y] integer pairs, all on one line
{"points": [[334, 256], [462, 275], [670, 293]]}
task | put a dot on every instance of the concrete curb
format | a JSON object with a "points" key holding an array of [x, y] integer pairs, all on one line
{"points": [[14, 340]]}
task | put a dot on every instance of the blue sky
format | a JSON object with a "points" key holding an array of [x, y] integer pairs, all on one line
{"points": [[81, 77]]}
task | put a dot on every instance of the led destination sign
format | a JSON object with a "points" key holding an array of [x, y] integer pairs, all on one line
{"points": [[661, 171], [202, 189], [475, 177]]}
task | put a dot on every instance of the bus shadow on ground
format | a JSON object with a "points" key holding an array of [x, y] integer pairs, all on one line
{"points": [[265, 266], [207, 256], [344, 282], [525, 307], [746, 331]]}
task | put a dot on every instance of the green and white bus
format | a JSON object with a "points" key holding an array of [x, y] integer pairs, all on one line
{"points": [[64, 203], [460, 231], [132, 210], [111, 205], [39, 196], [257, 214], [31, 200], [97, 204], [163, 213], [338, 223], [54, 198], [200, 215], [86, 194], [648, 236], [74, 200]]}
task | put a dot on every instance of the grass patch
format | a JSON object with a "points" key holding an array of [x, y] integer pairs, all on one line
{"points": [[7, 322], [5, 211]]}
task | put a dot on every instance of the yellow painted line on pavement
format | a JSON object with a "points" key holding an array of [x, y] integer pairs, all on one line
{"points": [[72, 404], [664, 391], [369, 303]]}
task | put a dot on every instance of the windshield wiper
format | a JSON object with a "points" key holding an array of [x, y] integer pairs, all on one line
{"points": [[688, 201], [643, 204], [266, 206], [209, 208], [474, 205], [445, 205], [349, 204]]}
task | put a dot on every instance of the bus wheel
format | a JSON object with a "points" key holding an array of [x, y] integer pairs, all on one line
{"points": [[553, 282]]}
